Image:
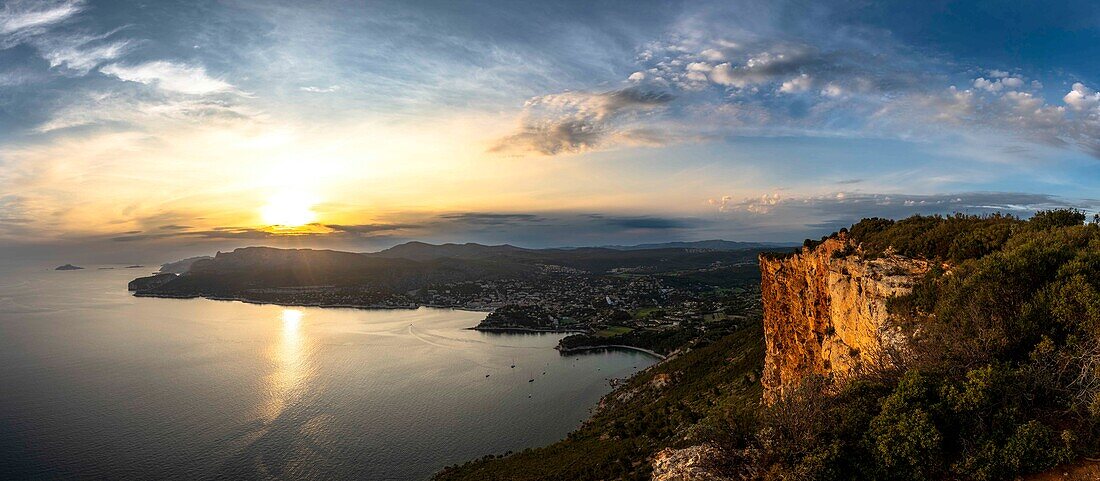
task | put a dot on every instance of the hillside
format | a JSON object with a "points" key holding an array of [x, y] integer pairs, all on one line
{"points": [[686, 399], [957, 347], [713, 244], [417, 265]]}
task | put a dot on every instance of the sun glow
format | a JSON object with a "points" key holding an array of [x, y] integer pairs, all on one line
{"points": [[288, 209]]}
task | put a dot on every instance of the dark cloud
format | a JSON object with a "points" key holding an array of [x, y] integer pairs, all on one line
{"points": [[492, 219], [577, 121], [647, 222], [543, 229], [330, 231], [369, 228]]}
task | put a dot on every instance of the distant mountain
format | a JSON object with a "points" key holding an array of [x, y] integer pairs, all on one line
{"points": [[419, 251], [415, 265], [714, 244], [68, 267]]}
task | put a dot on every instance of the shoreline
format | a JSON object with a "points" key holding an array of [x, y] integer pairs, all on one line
{"points": [[578, 349], [572, 350], [311, 304], [526, 329]]}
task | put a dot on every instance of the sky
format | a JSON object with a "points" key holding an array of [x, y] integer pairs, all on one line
{"points": [[153, 129]]}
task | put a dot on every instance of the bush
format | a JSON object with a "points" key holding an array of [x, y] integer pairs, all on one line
{"points": [[1003, 375]]}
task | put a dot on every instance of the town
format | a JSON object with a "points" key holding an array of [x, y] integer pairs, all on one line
{"points": [[660, 312]]}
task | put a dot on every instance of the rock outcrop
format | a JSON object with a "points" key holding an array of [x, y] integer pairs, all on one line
{"points": [[694, 463], [825, 311]]}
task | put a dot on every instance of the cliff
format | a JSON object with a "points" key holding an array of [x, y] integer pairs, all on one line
{"points": [[825, 311]]}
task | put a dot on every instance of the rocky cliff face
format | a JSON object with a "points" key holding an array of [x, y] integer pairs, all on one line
{"points": [[825, 311]]}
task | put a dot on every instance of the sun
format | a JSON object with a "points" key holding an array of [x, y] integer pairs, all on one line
{"points": [[288, 209]]}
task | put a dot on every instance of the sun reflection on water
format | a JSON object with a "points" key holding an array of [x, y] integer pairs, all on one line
{"points": [[288, 357]]}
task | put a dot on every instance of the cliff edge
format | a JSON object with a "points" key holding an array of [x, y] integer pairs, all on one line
{"points": [[825, 311]]}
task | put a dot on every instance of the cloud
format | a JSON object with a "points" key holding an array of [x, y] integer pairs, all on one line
{"points": [[36, 24], [482, 218], [798, 84], [82, 60], [534, 229], [885, 93], [20, 19], [763, 67], [320, 90], [832, 90], [801, 216], [139, 110], [869, 86], [645, 222], [318, 231], [996, 85], [80, 53], [1081, 98], [169, 76], [577, 121], [847, 207]]}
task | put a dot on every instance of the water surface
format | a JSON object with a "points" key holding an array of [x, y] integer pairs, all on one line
{"points": [[97, 383]]}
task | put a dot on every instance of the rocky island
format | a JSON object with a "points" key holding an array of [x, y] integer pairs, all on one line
{"points": [[68, 267]]}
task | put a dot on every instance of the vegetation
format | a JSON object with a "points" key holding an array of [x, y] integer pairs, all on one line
{"points": [[677, 403], [1002, 377], [662, 341], [611, 331], [527, 317]]}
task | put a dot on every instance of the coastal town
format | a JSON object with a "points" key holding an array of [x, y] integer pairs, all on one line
{"points": [[655, 311]]}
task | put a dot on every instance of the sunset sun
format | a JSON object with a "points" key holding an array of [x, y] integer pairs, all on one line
{"points": [[288, 209]]}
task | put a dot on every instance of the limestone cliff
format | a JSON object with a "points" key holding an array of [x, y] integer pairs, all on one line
{"points": [[825, 311]]}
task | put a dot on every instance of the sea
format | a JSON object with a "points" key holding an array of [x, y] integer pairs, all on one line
{"points": [[98, 384]]}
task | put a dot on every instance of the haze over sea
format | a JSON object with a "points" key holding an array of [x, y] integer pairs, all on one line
{"points": [[98, 383]]}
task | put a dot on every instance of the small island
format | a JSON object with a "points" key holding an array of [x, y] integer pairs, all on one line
{"points": [[68, 267]]}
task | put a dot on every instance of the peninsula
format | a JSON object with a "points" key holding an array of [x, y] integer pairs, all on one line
{"points": [[657, 298]]}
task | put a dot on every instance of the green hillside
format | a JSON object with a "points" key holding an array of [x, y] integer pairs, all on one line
{"points": [[1003, 378], [693, 397]]}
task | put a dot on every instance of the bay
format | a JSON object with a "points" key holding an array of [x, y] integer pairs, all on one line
{"points": [[96, 383]]}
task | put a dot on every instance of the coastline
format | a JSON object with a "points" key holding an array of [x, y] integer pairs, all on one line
{"points": [[572, 350], [578, 349], [526, 329], [310, 304]]}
